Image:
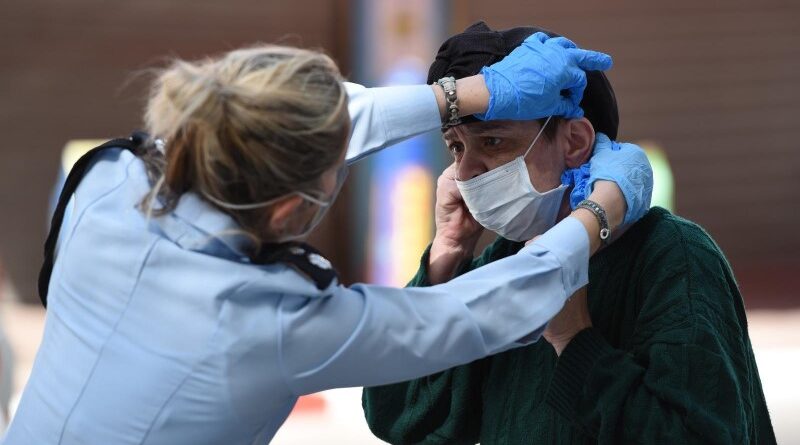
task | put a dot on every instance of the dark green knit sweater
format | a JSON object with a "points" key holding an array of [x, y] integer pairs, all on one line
{"points": [[668, 360]]}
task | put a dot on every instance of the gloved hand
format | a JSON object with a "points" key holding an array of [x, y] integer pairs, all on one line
{"points": [[578, 178], [527, 83], [626, 165]]}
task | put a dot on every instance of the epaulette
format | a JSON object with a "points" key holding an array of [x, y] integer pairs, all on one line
{"points": [[302, 257], [135, 143]]}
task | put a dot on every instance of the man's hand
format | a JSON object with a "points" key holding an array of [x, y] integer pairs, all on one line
{"points": [[573, 318], [457, 232]]}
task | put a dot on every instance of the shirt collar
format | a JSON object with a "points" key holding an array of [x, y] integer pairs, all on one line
{"points": [[197, 225]]}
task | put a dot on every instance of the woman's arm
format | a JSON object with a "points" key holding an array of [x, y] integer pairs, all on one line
{"points": [[387, 115], [373, 335], [442, 408], [524, 85], [384, 116]]}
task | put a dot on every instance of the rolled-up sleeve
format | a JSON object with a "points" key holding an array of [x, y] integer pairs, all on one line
{"points": [[387, 115], [369, 335]]}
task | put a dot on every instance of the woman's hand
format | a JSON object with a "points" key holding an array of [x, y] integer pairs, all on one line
{"points": [[573, 318], [627, 166], [527, 84], [624, 164], [457, 232], [609, 196]]}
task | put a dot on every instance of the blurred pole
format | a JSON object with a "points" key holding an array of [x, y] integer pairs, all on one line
{"points": [[394, 44]]}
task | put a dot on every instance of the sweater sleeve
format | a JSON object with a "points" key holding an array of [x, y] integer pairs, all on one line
{"points": [[688, 375], [443, 408]]}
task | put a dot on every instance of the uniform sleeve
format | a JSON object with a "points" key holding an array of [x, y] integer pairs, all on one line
{"points": [[443, 408], [689, 376], [387, 115], [371, 335]]}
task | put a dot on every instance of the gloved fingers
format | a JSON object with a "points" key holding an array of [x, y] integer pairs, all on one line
{"points": [[576, 94], [638, 192], [636, 156], [567, 108], [577, 86], [588, 60], [578, 178], [627, 165], [601, 143], [577, 195], [601, 137], [562, 41], [501, 92], [537, 37]]}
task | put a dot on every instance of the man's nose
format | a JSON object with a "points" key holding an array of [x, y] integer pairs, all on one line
{"points": [[470, 166]]}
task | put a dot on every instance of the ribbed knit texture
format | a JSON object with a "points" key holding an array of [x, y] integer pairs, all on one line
{"points": [[668, 360]]}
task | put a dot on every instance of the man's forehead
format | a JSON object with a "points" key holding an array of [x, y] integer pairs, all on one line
{"points": [[488, 127]]}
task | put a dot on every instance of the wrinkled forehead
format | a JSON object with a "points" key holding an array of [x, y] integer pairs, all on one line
{"points": [[502, 128]]}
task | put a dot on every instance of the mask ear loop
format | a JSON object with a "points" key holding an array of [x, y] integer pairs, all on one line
{"points": [[227, 205], [256, 205], [541, 130], [341, 175]]}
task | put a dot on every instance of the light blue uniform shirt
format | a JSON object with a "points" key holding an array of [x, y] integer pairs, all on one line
{"points": [[160, 331]]}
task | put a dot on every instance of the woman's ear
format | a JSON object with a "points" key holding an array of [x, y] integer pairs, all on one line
{"points": [[281, 213], [579, 137]]}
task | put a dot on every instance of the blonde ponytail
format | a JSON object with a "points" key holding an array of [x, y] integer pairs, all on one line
{"points": [[250, 126]]}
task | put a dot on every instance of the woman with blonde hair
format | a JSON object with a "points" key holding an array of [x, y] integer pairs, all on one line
{"points": [[180, 310]]}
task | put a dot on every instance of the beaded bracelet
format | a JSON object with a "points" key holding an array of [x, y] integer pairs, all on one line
{"points": [[448, 84]]}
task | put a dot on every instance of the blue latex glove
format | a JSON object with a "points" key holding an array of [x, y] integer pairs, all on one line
{"points": [[626, 165], [579, 179], [527, 83]]}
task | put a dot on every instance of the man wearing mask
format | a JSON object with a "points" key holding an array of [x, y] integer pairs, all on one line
{"points": [[654, 350]]}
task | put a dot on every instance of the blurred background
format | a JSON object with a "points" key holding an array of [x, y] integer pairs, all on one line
{"points": [[710, 88]]}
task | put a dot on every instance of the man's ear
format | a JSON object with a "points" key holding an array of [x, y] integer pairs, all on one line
{"points": [[579, 137], [281, 213]]}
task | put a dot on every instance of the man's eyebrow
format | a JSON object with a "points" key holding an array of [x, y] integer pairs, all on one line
{"points": [[489, 127], [480, 129]]}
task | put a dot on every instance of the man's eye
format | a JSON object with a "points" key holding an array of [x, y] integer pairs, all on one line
{"points": [[493, 142], [455, 149]]}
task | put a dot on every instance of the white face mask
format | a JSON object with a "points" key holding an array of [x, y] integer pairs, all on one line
{"points": [[322, 206], [504, 201]]}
